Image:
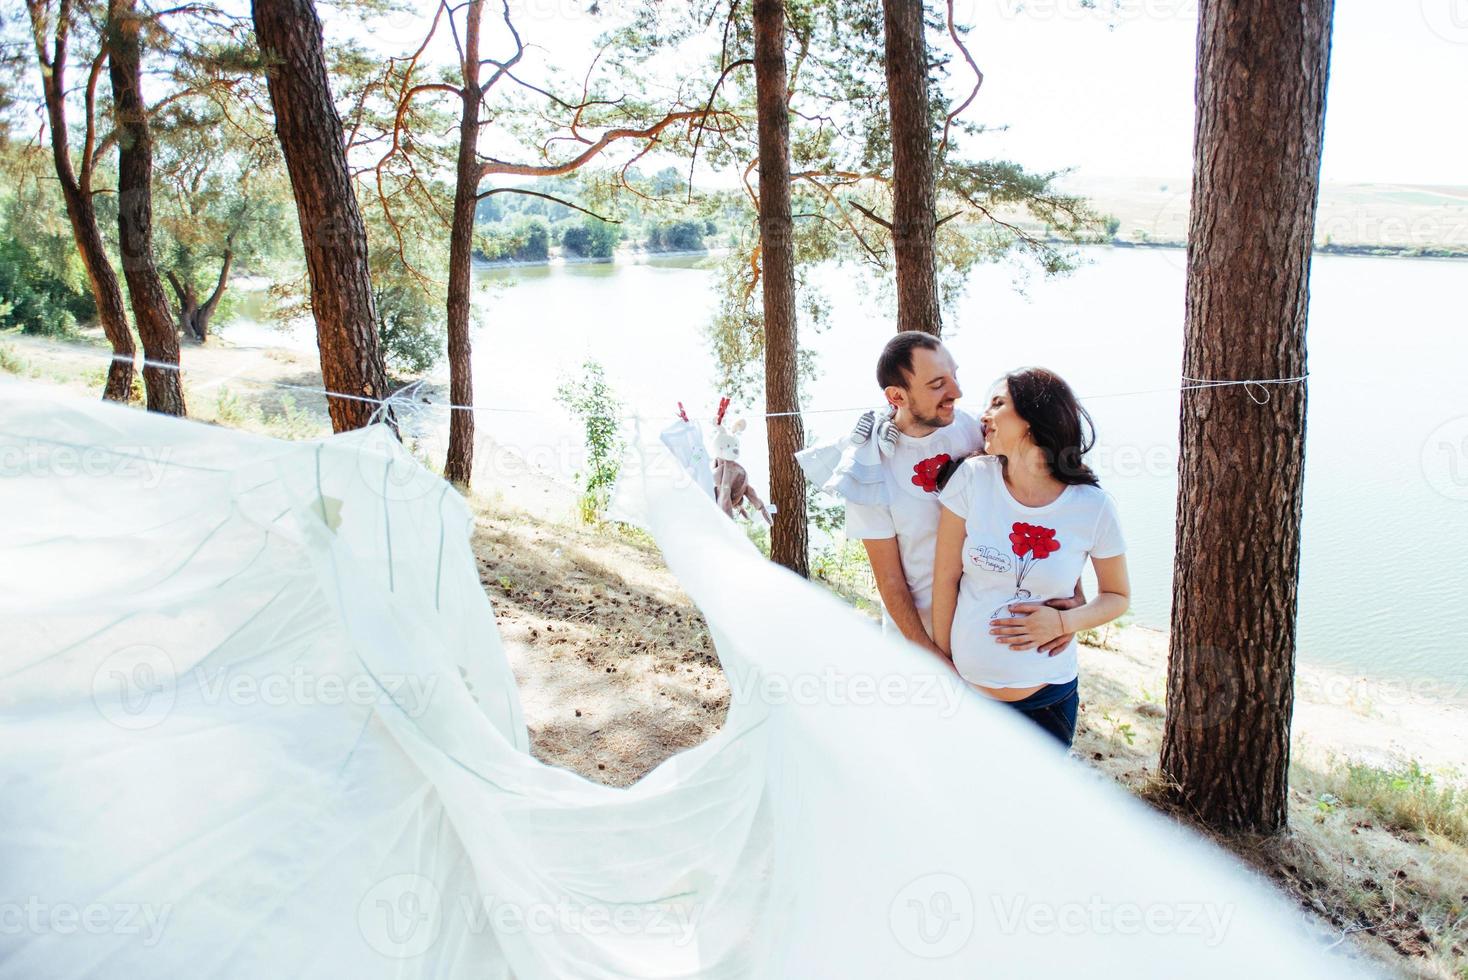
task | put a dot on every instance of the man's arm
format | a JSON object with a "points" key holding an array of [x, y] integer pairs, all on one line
{"points": [[886, 561]]}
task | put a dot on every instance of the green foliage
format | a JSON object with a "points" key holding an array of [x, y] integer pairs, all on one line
{"points": [[408, 323], [526, 240], [408, 260], [286, 422], [591, 400], [222, 190], [43, 286], [676, 236], [845, 567], [654, 212], [13, 363], [1408, 797], [1119, 728], [591, 239], [736, 334]]}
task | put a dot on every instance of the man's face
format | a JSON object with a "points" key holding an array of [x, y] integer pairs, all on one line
{"points": [[931, 390]]}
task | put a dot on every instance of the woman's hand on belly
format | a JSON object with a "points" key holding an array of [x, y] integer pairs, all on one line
{"points": [[1035, 625]]}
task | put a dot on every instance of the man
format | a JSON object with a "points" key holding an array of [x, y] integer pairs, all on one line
{"points": [[932, 435]]}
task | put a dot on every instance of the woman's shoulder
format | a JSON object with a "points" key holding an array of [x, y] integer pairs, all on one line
{"points": [[976, 467], [1091, 495], [979, 462]]}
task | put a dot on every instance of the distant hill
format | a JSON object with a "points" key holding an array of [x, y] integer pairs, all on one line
{"points": [[1353, 217]]}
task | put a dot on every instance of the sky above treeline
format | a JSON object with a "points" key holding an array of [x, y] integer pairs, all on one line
{"points": [[1107, 90]]}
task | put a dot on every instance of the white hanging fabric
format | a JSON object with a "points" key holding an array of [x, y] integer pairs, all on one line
{"points": [[684, 439], [256, 719]]}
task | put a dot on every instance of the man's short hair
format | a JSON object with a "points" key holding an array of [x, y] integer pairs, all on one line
{"points": [[894, 367]]}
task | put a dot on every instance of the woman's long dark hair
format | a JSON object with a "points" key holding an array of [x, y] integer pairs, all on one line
{"points": [[1058, 423]]}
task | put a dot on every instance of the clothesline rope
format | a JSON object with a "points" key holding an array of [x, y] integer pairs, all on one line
{"points": [[407, 397]]}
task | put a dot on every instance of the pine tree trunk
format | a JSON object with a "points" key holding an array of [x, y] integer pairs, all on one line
{"points": [[76, 193], [135, 211], [1262, 69], [335, 239], [914, 218], [459, 463], [788, 536]]}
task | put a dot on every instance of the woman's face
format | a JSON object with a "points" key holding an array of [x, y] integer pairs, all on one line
{"points": [[1004, 431]]}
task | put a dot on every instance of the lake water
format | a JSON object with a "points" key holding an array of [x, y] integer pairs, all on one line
{"points": [[1383, 578], [1385, 533]]}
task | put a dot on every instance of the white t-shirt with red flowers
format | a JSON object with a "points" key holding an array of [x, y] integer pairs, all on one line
{"points": [[1012, 552], [912, 515]]}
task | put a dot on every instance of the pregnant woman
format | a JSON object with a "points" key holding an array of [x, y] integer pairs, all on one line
{"points": [[1016, 528]]}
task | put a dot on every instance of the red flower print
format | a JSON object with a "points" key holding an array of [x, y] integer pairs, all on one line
{"points": [[925, 474]]}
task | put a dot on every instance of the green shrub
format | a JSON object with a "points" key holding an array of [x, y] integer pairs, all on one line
{"points": [[43, 288], [591, 399], [592, 239]]}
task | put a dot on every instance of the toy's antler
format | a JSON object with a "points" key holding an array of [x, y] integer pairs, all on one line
{"points": [[682, 414], [723, 407]]}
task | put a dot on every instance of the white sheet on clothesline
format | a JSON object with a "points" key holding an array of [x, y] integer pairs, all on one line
{"points": [[256, 720]]}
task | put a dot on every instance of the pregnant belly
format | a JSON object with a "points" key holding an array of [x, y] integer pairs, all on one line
{"points": [[1007, 693], [994, 669]]}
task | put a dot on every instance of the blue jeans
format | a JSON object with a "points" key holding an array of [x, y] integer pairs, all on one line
{"points": [[1053, 708]]}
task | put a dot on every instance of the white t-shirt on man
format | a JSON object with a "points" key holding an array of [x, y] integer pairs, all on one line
{"points": [[1035, 553], [912, 515]]}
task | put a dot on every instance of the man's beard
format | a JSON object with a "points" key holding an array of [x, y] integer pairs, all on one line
{"points": [[932, 421]]}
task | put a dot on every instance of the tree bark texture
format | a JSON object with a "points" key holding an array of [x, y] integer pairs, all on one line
{"points": [[76, 192], [161, 378], [914, 217], [459, 462], [788, 535], [1262, 71], [332, 231]]}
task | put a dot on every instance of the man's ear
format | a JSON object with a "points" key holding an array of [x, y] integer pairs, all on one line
{"points": [[896, 397]]}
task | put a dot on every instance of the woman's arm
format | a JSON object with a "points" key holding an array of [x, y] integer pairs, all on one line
{"points": [[1037, 623], [947, 570]]}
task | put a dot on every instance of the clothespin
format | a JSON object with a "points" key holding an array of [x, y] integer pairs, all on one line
{"points": [[682, 414], [723, 407]]}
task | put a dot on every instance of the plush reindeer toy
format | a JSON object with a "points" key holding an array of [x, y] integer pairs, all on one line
{"points": [[731, 482]]}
